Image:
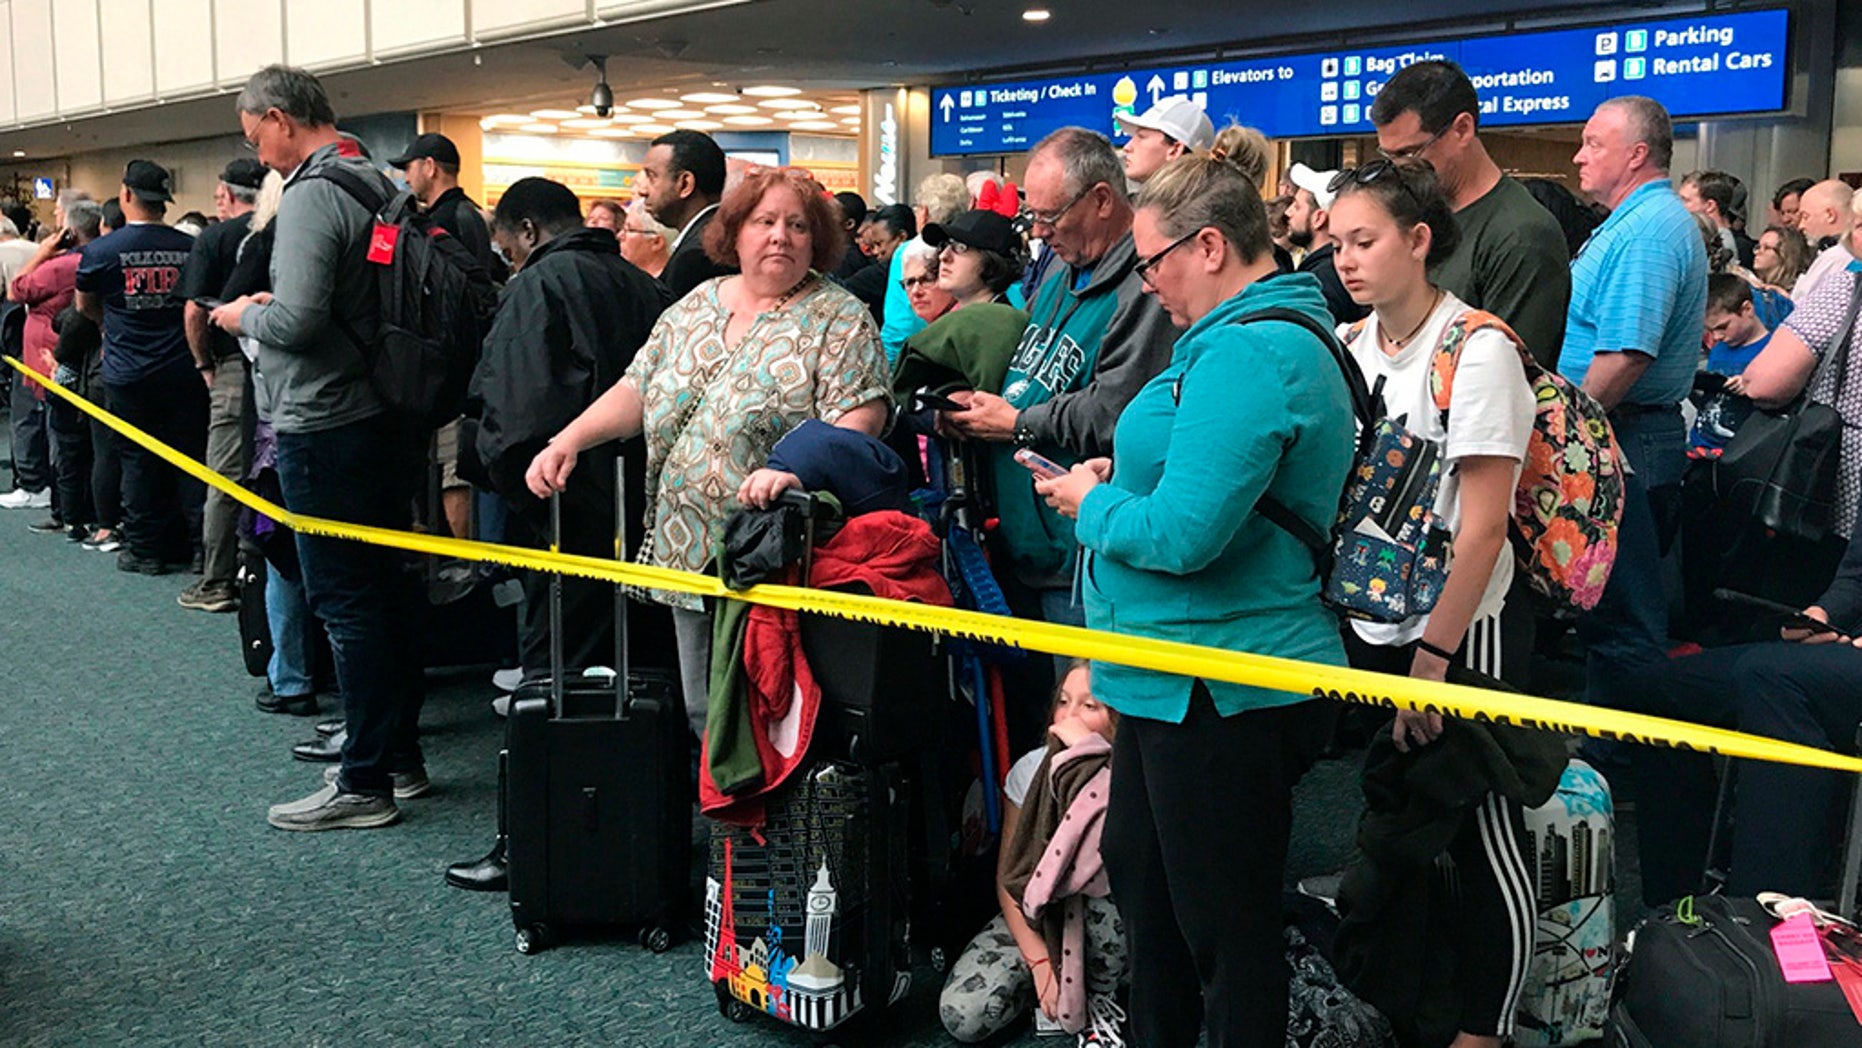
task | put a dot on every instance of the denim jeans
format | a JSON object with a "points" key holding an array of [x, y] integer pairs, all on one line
{"points": [[1629, 627], [368, 598], [291, 672], [32, 453]]}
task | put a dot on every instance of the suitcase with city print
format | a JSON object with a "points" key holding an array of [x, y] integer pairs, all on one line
{"points": [[1570, 843], [807, 922]]}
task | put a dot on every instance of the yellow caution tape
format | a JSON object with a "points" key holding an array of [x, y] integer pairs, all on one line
{"points": [[1189, 660]]}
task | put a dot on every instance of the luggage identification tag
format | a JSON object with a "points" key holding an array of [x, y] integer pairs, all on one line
{"points": [[382, 239], [1800, 951]]}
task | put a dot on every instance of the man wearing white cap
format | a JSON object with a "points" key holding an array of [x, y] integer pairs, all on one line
{"points": [[1166, 131], [1306, 227]]}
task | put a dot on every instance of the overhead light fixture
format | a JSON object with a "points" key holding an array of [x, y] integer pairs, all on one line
{"points": [[748, 121], [787, 103], [19, 152], [585, 123], [538, 129], [814, 125], [700, 125], [554, 114], [497, 119], [612, 132], [679, 114], [731, 109], [629, 118], [654, 129], [707, 97], [771, 91], [850, 121], [652, 103], [845, 110], [1036, 14]]}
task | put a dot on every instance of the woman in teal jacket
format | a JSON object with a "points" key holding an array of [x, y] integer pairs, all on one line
{"points": [[1203, 771]]}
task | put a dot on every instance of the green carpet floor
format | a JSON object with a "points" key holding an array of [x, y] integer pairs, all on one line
{"points": [[144, 900]]}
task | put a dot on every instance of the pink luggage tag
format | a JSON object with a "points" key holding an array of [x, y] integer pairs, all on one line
{"points": [[1800, 951]]}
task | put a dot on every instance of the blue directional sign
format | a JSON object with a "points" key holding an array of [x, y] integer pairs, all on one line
{"points": [[1711, 65]]}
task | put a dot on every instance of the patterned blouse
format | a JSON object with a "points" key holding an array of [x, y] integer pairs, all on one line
{"points": [[1817, 320], [712, 412]]}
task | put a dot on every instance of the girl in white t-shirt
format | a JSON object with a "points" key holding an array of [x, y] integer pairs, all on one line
{"points": [[1392, 221]]}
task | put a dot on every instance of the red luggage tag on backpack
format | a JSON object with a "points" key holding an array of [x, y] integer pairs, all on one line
{"points": [[382, 239]]}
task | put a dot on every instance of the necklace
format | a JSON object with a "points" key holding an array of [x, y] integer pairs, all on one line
{"points": [[789, 294], [1413, 332]]}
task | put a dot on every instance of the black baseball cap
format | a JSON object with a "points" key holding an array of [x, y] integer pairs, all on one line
{"points": [[244, 171], [980, 229], [430, 146], [149, 180]]}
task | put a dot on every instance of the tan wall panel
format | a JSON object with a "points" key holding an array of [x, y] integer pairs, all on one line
{"points": [[35, 92], [196, 166], [8, 113], [74, 30], [249, 35], [403, 25], [496, 18], [183, 47], [323, 33], [128, 59]]}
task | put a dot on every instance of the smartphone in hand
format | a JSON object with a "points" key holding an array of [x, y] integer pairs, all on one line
{"points": [[1042, 468]]}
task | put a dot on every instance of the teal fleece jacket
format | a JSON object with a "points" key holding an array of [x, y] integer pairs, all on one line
{"points": [[1176, 548]]}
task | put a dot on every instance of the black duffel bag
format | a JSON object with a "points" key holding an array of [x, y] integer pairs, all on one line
{"points": [[1714, 982], [1780, 469]]}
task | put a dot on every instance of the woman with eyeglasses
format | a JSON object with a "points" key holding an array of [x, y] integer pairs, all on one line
{"points": [[1393, 221], [979, 257], [1197, 826], [919, 266]]}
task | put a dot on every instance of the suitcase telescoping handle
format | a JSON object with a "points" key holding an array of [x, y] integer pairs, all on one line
{"points": [[556, 657], [622, 647]]}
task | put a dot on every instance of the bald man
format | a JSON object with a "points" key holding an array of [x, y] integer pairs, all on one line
{"points": [[1826, 214]]}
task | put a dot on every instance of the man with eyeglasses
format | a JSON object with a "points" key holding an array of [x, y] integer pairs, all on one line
{"points": [[1094, 338], [1511, 260]]}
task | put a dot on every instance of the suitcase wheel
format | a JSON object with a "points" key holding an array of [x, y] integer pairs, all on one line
{"points": [[730, 1007], [533, 939], [940, 961], [656, 938]]}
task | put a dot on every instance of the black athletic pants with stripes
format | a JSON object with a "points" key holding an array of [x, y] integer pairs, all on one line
{"points": [[1485, 871]]}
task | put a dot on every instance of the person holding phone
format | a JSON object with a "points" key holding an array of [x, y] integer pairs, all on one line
{"points": [[1177, 549], [1805, 687]]}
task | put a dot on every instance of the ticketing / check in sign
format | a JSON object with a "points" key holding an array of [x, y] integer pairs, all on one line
{"points": [[1721, 65]]}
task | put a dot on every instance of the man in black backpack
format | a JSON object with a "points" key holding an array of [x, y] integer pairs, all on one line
{"points": [[431, 165], [343, 454]]}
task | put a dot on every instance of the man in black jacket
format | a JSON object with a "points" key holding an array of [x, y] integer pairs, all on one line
{"points": [[431, 166], [1805, 688], [568, 324], [682, 179]]}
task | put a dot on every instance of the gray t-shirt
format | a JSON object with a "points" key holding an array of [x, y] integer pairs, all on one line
{"points": [[1021, 776], [1512, 262]]}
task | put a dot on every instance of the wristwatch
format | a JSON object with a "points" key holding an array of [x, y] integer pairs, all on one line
{"points": [[1024, 435]]}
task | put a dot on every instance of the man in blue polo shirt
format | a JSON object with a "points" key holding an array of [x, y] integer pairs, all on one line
{"points": [[1632, 340]]}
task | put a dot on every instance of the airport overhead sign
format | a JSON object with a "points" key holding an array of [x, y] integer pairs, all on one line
{"points": [[1710, 65]]}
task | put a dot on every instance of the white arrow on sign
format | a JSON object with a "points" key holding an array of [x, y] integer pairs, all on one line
{"points": [[945, 105], [1156, 87]]}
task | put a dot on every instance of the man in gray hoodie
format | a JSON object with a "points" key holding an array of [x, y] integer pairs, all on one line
{"points": [[342, 454]]}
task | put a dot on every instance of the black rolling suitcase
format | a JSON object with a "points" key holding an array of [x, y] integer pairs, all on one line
{"points": [[597, 796], [255, 629], [808, 923]]}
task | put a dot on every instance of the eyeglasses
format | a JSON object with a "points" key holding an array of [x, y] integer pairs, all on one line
{"points": [[911, 284], [252, 141], [1412, 152], [630, 231], [1145, 266], [955, 247], [1051, 218], [1369, 175]]}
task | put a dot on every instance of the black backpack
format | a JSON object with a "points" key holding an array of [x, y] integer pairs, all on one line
{"points": [[436, 303]]}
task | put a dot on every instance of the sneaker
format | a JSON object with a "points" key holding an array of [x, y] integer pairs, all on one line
{"points": [[330, 809], [1324, 887], [102, 540], [126, 560], [1105, 1023], [507, 680], [48, 526], [1045, 1027], [208, 596], [501, 705], [79, 533], [20, 498], [407, 784]]}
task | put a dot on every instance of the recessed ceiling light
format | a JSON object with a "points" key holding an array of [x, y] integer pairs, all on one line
{"points": [[772, 91], [707, 97], [731, 109], [653, 103], [653, 129], [845, 110], [813, 125], [585, 123], [850, 121], [505, 118], [629, 118], [700, 125], [748, 121], [19, 152], [612, 132], [787, 103], [1035, 14], [538, 129], [554, 114], [679, 114]]}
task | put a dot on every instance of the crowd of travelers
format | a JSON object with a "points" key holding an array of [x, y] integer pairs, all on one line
{"points": [[1183, 349]]}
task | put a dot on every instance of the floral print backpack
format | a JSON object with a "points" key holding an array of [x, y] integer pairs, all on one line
{"points": [[1569, 502]]}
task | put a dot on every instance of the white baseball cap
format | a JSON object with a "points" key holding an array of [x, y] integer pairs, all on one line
{"points": [[1317, 183], [1177, 117]]}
